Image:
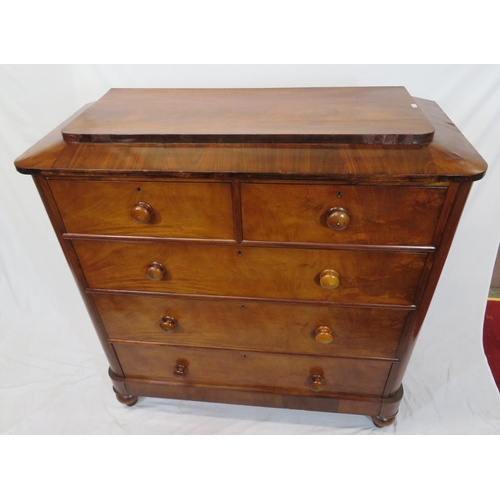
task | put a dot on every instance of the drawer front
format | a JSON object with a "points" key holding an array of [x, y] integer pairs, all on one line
{"points": [[356, 214], [144, 208], [244, 369], [261, 326], [364, 277]]}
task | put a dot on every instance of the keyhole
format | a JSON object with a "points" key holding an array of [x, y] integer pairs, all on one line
{"points": [[138, 190], [339, 194]]}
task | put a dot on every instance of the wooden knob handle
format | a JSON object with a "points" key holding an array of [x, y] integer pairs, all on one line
{"points": [[180, 371], [142, 212], [329, 279], [337, 218], [168, 324], [317, 383], [155, 271], [323, 335]]}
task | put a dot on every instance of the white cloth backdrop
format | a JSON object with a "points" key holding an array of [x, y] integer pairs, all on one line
{"points": [[53, 374]]}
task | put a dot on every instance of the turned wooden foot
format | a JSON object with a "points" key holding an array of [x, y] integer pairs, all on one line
{"points": [[388, 409], [383, 421], [127, 399]]}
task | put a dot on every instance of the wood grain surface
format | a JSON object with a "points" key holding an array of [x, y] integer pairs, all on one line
{"points": [[269, 245], [346, 403], [360, 115], [180, 209], [288, 373], [365, 277], [248, 325], [449, 157], [379, 215]]}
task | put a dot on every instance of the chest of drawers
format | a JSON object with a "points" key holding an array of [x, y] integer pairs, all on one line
{"points": [[273, 247]]}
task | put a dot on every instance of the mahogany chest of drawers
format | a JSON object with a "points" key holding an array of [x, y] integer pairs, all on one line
{"points": [[274, 247]]}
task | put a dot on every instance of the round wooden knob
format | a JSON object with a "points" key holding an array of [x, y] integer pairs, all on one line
{"points": [[317, 383], [168, 324], [180, 371], [155, 271], [329, 279], [142, 212], [323, 335], [337, 218]]}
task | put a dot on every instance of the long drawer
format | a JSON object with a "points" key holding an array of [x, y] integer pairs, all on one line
{"points": [[363, 276], [144, 208], [261, 326], [245, 369], [371, 215]]}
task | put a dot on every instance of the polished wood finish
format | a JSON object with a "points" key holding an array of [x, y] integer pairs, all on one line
{"points": [[127, 399], [323, 335], [337, 218], [203, 257], [329, 279], [238, 223], [377, 215], [181, 209], [248, 369], [389, 407], [257, 244], [345, 403], [383, 421], [142, 212], [427, 287], [448, 158], [155, 271], [317, 383], [371, 115], [365, 277], [119, 386], [244, 325], [180, 372], [168, 324]]}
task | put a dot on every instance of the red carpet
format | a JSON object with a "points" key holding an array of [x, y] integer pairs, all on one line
{"points": [[491, 337]]}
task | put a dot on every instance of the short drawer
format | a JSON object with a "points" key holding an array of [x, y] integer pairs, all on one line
{"points": [[381, 215], [146, 208], [278, 273], [260, 326], [245, 369]]}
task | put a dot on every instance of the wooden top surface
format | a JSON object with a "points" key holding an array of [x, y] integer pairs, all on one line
{"points": [[352, 115], [449, 157]]}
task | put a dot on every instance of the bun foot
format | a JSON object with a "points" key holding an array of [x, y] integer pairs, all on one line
{"points": [[127, 399], [383, 421]]}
